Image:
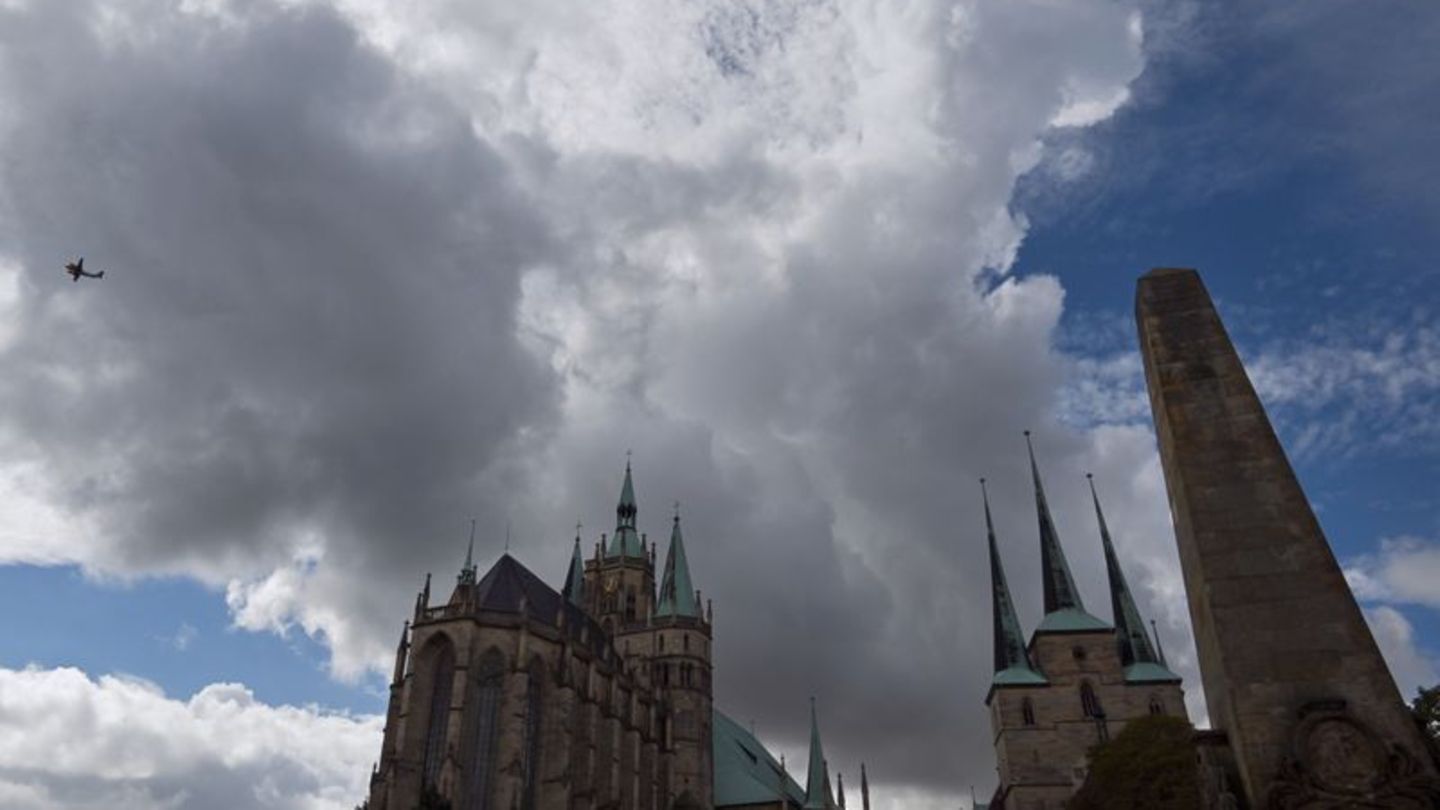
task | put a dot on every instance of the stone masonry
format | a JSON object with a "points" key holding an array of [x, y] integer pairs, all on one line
{"points": [[1290, 670]]}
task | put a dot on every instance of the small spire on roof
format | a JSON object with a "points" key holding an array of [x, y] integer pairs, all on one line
{"points": [[467, 571]]}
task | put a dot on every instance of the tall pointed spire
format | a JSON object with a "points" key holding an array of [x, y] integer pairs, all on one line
{"points": [[574, 589], [864, 788], [626, 540], [1012, 660], [677, 594], [840, 790], [816, 783], [1137, 654], [467, 571], [1064, 610], [1159, 650]]}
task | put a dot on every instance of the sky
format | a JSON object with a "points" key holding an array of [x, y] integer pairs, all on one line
{"points": [[376, 269]]}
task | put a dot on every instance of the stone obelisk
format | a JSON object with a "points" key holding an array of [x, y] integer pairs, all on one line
{"points": [[1291, 672]]}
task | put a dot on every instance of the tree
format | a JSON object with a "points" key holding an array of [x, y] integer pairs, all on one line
{"points": [[1150, 765], [1426, 707]]}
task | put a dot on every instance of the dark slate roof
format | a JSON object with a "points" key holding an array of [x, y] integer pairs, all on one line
{"points": [[508, 585]]}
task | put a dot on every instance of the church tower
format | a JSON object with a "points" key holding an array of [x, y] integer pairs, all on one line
{"points": [[1077, 682], [665, 640], [620, 580]]}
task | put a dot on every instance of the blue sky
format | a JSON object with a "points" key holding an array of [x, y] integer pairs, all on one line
{"points": [[457, 264]]}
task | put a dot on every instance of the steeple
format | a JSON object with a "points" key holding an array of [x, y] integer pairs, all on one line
{"points": [[1012, 660], [626, 540], [677, 594], [1137, 654], [816, 783], [574, 589], [467, 571], [840, 790], [864, 788], [1064, 611]]}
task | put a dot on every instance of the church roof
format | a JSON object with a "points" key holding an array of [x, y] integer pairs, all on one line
{"points": [[1070, 620], [574, 589], [1060, 590], [509, 587], [817, 776], [1147, 672], [1136, 650], [677, 592], [746, 773], [1012, 660]]}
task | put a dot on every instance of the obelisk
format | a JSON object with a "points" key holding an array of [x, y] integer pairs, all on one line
{"points": [[1291, 672]]}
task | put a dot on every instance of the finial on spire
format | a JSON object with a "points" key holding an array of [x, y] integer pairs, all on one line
{"points": [[1159, 650], [507, 535]]}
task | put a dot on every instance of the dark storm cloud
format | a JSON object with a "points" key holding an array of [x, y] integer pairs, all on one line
{"points": [[339, 322], [307, 320]]}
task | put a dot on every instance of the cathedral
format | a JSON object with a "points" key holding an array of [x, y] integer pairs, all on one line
{"points": [[511, 695], [1076, 682]]}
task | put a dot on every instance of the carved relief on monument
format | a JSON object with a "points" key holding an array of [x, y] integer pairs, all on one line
{"points": [[1337, 762]]}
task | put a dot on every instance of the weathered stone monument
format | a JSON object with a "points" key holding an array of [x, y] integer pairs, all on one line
{"points": [[1291, 672]]}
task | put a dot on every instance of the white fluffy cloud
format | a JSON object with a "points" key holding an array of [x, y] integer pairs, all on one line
{"points": [[1405, 570], [1411, 666], [67, 740], [380, 267]]}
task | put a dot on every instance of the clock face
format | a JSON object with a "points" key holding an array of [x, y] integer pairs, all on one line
{"points": [[611, 583]]}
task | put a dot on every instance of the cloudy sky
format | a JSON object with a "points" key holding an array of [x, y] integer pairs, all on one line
{"points": [[376, 268]]}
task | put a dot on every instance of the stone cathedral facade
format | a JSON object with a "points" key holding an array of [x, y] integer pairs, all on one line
{"points": [[1078, 681], [511, 695]]}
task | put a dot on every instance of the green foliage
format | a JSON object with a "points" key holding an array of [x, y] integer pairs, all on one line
{"points": [[1148, 766], [1426, 707]]}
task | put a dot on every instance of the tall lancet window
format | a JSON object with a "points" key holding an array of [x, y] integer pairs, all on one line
{"points": [[440, 687], [484, 711], [534, 705], [1027, 712]]}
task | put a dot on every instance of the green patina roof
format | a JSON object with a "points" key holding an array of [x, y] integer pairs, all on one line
{"points": [[817, 778], [677, 592], [626, 540], [1018, 676], [574, 589], [1147, 672], [1010, 653], [1135, 646], [1060, 590], [1070, 620], [746, 773]]}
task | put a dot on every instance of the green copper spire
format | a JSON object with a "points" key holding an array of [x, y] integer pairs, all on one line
{"points": [[677, 593], [574, 589], [626, 540], [1137, 654], [817, 783], [1012, 660], [1064, 611]]}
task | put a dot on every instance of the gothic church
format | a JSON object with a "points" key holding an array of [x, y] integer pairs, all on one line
{"points": [[511, 695]]}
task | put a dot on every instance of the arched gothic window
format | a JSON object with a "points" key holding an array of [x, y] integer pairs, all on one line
{"points": [[443, 666], [534, 705], [484, 713], [630, 604], [1157, 707], [1027, 712], [1089, 702]]}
